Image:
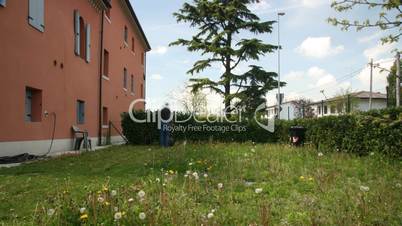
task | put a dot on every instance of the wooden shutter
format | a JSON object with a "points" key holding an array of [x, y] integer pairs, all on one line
{"points": [[36, 16], [88, 47], [77, 32], [3, 2]]}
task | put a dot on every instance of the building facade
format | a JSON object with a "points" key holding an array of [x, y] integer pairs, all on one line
{"points": [[358, 101], [67, 63]]}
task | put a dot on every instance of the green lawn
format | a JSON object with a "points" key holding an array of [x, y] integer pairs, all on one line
{"points": [[245, 185]]}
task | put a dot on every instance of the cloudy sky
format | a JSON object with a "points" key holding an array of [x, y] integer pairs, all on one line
{"points": [[316, 56]]}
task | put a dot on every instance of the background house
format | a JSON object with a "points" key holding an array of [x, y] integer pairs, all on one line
{"points": [[66, 63]]}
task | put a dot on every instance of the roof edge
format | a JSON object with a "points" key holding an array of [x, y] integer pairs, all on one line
{"points": [[130, 7]]}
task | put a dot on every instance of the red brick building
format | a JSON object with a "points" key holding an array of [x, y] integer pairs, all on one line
{"points": [[75, 62]]}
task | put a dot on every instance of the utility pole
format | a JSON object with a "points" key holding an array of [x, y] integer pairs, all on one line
{"points": [[398, 81], [371, 84], [279, 66]]}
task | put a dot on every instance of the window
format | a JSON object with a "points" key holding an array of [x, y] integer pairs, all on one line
{"points": [[105, 119], [36, 16], [3, 3], [125, 79], [80, 112], [332, 109], [33, 105], [132, 84], [325, 110], [319, 110], [125, 34], [133, 45], [105, 63], [82, 37]]}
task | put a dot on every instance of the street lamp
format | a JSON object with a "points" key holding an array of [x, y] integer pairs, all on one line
{"points": [[279, 66]]}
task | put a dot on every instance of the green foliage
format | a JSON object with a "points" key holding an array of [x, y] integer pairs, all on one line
{"points": [[389, 16], [218, 23], [391, 90]]}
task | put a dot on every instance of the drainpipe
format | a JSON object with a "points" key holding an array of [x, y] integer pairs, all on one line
{"points": [[100, 81]]}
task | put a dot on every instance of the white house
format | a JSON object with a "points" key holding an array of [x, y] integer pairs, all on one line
{"points": [[358, 101]]}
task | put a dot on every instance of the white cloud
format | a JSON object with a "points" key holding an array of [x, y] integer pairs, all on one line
{"points": [[312, 3], [327, 79], [378, 51], [318, 47], [379, 76], [294, 75], [156, 77], [259, 7], [369, 38], [345, 85], [316, 72], [160, 50]]}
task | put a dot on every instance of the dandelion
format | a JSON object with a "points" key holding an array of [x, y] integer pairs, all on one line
{"points": [[258, 190], [84, 217], [310, 179], [171, 171], [220, 185], [320, 154], [101, 199], [116, 209], [253, 150], [213, 210], [142, 216], [117, 216], [364, 188], [210, 215], [141, 194], [301, 178], [113, 193], [130, 200], [190, 164], [205, 175], [50, 212], [371, 153], [82, 210], [107, 203], [195, 175], [398, 185], [158, 180]]}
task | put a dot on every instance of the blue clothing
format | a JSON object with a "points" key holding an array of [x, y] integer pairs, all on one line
{"points": [[164, 135]]}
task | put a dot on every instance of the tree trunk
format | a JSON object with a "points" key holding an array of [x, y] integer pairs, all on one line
{"points": [[227, 77]]}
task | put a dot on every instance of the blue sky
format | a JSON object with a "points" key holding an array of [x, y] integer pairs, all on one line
{"points": [[316, 56]]}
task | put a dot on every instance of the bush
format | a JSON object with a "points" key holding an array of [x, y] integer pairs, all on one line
{"points": [[360, 133]]}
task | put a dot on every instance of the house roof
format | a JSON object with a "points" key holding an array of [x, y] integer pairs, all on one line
{"points": [[130, 7]]}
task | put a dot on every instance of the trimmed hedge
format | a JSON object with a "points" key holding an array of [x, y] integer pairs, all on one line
{"points": [[360, 133]]}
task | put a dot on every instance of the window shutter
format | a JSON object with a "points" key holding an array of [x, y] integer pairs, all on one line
{"points": [[88, 47], [3, 3], [77, 32], [83, 112], [36, 16]]}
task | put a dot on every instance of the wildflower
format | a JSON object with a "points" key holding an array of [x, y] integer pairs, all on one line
{"points": [[205, 175], [245, 155], [158, 180], [105, 188], [371, 153], [364, 188], [142, 216], [50, 212], [107, 203], [117, 216], [141, 194], [310, 179], [320, 154], [220, 185], [186, 175], [82, 210], [258, 190], [190, 164], [195, 175], [84, 217], [210, 215], [301, 178], [171, 171], [253, 150], [213, 210], [101, 199], [113, 193], [130, 200], [188, 172], [398, 185], [116, 209]]}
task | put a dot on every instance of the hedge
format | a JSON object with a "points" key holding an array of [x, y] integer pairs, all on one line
{"points": [[360, 133]]}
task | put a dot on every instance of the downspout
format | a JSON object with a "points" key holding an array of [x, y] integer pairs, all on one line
{"points": [[100, 81]]}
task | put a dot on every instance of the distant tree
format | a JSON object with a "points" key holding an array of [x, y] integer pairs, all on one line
{"points": [[303, 108], [344, 101], [192, 102], [391, 90], [389, 17], [218, 23]]}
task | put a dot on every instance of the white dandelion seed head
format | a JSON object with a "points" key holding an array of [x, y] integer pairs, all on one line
{"points": [[205, 175], [320, 154], [101, 199], [50, 212], [364, 188], [113, 193], [398, 185], [253, 150], [141, 194], [258, 190], [130, 200], [116, 209], [158, 180], [210, 215], [82, 210], [117, 216], [190, 164], [213, 210], [142, 216], [371, 153], [220, 185], [188, 172]]}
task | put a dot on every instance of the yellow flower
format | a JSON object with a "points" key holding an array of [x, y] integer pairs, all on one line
{"points": [[171, 171], [107, 203], [301, 178], [84, 217], [310, 179], [105, 189]]}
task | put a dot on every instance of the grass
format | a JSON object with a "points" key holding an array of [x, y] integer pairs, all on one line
{"points": [[296, 185]]}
